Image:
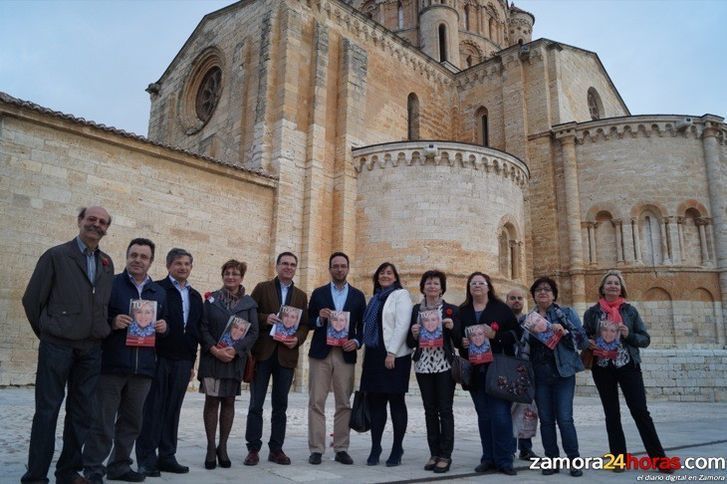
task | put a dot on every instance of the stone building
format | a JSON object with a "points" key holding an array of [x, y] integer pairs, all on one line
{"points": [[427, 133]]}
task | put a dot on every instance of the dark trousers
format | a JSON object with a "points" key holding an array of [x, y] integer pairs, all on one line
{"points": [[161, 412], [495, 425], [399, 419], [525, 444], [60, 366], [118, 418], [629, 377], [282, 379], [437, 391], [554, 397]]}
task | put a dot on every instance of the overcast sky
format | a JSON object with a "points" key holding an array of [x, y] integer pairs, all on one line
{"points": [[94, 58]]}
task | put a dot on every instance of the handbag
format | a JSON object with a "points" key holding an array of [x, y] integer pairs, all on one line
{"points": [[511, 379], [524, 420], [461, 371], [360, 413], [587, 358], [249, 373]]}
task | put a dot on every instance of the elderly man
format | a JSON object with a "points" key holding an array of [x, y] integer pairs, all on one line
{"points": [[66, 303], [126, 371], [516, 300]]}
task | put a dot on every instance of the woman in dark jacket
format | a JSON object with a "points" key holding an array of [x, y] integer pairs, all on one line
{"points": [[432, 365], [618, 362], [222, 361], [555, 371], [483, 307]]}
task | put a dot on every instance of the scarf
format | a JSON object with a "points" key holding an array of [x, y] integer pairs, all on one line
{"points": [[230, 300], [371, 328], [611, 309]]}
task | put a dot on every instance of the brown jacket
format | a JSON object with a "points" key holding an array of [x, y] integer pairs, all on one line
{"points": [[267, 296]]}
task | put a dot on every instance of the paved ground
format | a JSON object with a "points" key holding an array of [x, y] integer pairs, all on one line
{"points": [[686, 429]]}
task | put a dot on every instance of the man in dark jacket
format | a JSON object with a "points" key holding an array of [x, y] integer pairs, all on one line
{"points": [[66, 303], [176, 353], [126, 371], [333, 367]]}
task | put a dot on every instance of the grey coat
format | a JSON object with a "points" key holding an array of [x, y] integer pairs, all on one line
{"points": [[214, 320], [638, 336], [62, 305]]}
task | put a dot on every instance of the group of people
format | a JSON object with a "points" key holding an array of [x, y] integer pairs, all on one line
{"points": [[121, 395]]}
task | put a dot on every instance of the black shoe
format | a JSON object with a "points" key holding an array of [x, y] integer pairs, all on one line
{"points": [[373, 459], [429, 466], [315, 458], [442, 466], [550, 472], [394, 458], [576, 472], [95, 479], [343, 458], [149, 471], [128, 476], [508, 471], [210, 464], [224, 463], [484, 467], [172, 466], [527, 455]]}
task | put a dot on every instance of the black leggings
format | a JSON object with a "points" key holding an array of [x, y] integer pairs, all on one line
{"points": [[397, 405]]}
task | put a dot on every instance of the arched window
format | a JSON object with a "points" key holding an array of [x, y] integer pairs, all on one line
{"points": [[508, 252], [400, 14], [651, 238], [493, 30], [469, 61], [595, 106], [483, 128], [442, 42], [467, 17], [605, 233], [412, 109]]}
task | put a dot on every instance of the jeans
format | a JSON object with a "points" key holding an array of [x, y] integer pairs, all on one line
{"points": [[495, 424], [161, 412], [282, 379], [629, 377], [437, 391], [554, 398], [58, 366]]}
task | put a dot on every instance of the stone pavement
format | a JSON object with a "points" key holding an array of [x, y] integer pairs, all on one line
{"points": [[686, 429]]}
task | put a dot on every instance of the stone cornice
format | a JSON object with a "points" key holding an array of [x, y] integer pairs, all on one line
{"points": [[643, 126], [436, 153]]}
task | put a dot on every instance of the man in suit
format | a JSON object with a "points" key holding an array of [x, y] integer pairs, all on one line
{"points": [[333, 367], [66, 303], [176, 353], [126, 371], [276, 359]]}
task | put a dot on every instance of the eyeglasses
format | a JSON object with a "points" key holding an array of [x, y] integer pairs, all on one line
{"points": [[543, 289], [478, 283]]}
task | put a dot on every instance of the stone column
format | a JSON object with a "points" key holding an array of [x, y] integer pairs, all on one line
{"points": [[666, 259], [712, 136], [591, 237], [710, 240], [619, 242], [628, 241], [701, 224], [673, 234], [567, 140], [637, 240], [680, 230]]}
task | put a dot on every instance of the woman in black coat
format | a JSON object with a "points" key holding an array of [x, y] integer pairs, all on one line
{"points": [[432, 365], [223, 356]]}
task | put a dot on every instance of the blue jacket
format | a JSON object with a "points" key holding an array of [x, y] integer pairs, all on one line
{"points": [[567, 358], [355, 304], [182, 341], [117, 358]]}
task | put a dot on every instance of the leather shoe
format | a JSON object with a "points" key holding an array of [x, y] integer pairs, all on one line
{"points": [[442, 466], [508, 471], [128, 476], [527, 455], [172, 466], [576, 472], [224, 463], [95, 479], [149, 471], [429, 466], [550, 472], [343, 458], [279, 457], [484, 467], [315, 458], [252, 459]]}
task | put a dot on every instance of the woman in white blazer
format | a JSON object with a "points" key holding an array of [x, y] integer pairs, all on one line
{"points": [[387, 361]]}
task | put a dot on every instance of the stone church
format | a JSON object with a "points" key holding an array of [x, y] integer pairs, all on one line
{"points": [[432, 134]]}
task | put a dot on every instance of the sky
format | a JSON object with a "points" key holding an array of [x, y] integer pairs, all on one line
{"points": [[94, 58]]}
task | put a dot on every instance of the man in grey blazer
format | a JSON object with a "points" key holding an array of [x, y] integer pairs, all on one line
{"points": [[66, 303]]}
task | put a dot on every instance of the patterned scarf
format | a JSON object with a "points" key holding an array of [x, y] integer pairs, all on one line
{"points": [[230, 300], [611, 309], [371, 328]]}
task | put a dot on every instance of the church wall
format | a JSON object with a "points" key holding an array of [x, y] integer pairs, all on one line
{"points": [[52, 167]]}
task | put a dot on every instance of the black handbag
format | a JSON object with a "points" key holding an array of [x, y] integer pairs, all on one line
{"points": [[360, 413], [511, 379], [461, 371]]}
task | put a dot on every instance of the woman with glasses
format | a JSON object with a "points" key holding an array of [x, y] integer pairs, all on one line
{"points": [[387, 360], [483, 307], [555, 361], [617, 363]]}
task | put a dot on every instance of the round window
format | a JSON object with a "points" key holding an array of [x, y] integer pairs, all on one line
{"points": [[208, 94]]}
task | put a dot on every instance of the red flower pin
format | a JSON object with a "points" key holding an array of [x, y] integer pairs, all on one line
{"points": [[104, 262], [495, 326], [207, 295], [448, 312]]}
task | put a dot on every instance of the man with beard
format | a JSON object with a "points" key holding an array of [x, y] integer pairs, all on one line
{"points": [[66, 303]]}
